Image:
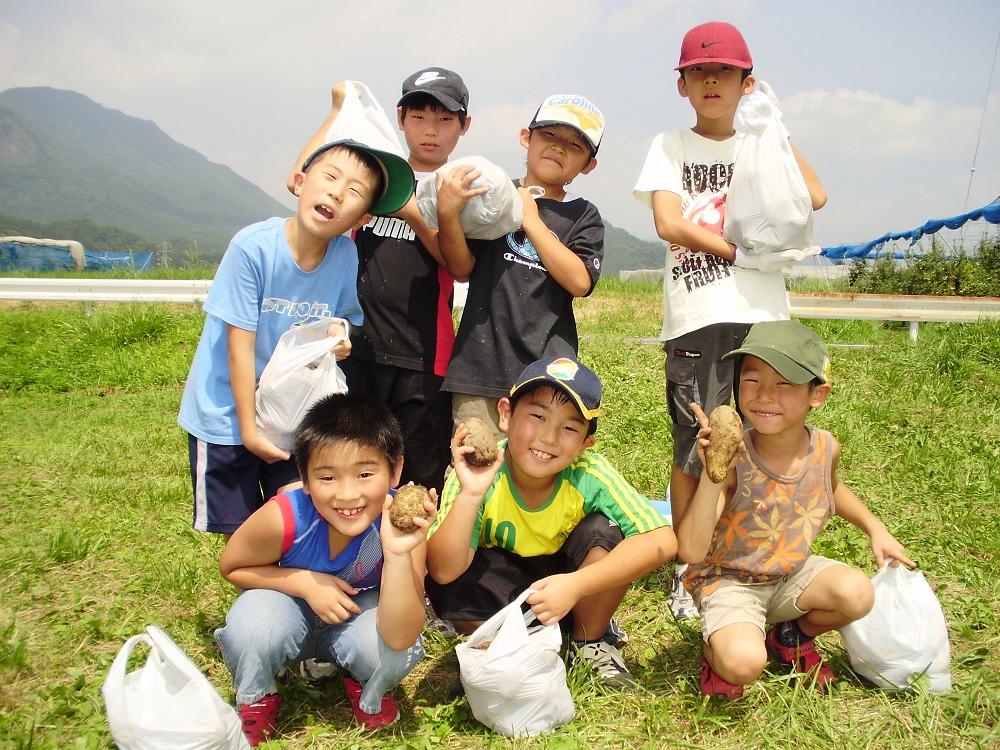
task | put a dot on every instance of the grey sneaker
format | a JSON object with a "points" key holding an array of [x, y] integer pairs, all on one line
{"points": [[316, 671], [607, 661], [615, 634], [444, 627], [681, 603]]}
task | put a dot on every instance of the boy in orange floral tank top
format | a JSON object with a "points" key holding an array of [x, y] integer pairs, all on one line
{"points": [[748, 537]]}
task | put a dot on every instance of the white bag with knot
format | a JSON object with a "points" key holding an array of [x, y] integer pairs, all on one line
{"points": [[495, 213], [768, 208], [167, 704], [905, 635], [514, 678], [301, 371], [361, 118]]}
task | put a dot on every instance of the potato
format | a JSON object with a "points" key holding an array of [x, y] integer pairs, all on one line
{"points": [[409, 502], [482, 440], [727, 434]]}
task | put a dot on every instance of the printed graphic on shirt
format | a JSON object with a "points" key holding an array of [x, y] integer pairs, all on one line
{"points": [[294, 309], [705, 206], [388, 226], [524, 252]]}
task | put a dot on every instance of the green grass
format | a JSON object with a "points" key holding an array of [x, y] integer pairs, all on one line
{"points": [[95, 538]]}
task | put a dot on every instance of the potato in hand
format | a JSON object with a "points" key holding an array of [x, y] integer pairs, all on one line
{"points": [[724, 442]]}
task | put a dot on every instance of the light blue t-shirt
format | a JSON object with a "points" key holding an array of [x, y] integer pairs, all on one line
{"points": [[259, 287]]}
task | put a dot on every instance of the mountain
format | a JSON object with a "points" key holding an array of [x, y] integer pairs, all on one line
{"points": [[63, 156], [626, 251]]}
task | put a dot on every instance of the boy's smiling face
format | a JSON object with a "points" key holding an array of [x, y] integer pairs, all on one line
{"points": [[545, 432], [714, 89], [334, 194], [347, 483], [771, 403], [431, 135], [556, 154]]}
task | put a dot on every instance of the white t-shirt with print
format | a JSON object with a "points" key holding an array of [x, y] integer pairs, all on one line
{"points": [[701, 289]]}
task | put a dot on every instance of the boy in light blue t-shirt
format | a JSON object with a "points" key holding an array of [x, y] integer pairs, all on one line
{"points": [[276, 274]]}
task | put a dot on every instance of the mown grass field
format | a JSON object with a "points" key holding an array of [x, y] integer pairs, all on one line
{"points": [[95, 538]]}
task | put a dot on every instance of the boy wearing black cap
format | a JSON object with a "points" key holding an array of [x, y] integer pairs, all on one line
{"points": [[522, 286], [709, 303], [401, 352], [275, 274], [550, 514], [748, 537]]}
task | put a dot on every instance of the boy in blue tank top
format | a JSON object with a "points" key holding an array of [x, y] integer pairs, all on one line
{"points": [[324, 574]]}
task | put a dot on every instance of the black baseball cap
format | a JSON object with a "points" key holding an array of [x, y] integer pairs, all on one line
{"points": [[444, 85]]}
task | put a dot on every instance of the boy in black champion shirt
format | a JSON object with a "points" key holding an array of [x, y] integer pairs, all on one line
{"points": [[401, 353], [522, 285]]}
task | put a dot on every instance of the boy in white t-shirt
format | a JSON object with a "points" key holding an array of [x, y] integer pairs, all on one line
{"points": [[709, 303]]}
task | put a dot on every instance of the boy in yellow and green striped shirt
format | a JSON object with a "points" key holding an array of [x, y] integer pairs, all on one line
{"points": [[549, 514]]}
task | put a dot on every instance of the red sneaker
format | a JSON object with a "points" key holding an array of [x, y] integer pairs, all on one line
{"points": [[803, 658], [388, 711], [715, 687], [260, 719]]}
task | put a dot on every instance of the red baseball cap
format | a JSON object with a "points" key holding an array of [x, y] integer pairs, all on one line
{"points": [[715, 41]]}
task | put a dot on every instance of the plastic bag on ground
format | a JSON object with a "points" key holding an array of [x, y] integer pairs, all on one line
{"points": [[768, 207], [514, 678], [301, 371], [167, 704], [495, 213], [905, 635]]}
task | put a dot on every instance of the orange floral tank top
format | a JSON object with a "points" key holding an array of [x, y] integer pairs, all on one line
{"points": [[766, 529]]}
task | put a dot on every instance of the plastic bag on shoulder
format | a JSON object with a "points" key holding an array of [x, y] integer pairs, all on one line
{"points": [[495, 213], [514, 678], [904, 637], [301, 371], [167, 704], [361, 118], [768, 207]]}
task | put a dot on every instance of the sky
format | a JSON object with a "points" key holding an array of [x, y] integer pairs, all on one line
{"points": [[887, 99]]}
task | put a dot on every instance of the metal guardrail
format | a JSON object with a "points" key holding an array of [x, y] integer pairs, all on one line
{"points": [[914, 309]]}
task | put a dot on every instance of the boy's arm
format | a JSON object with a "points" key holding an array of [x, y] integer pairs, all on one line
{"points": [[428, 237], [243, 380], [673, 227], [849, 507], [319, 137], [695, 522], [453, 192], [817, 193], [401, 615], [249, 561], [564, 266], [449, 552], [635, 556]]}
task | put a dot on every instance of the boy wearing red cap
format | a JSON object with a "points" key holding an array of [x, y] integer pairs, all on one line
{"points": [[709, 303]]}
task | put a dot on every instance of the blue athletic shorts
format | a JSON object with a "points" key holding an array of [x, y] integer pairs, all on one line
{"points": [[230, 483]]}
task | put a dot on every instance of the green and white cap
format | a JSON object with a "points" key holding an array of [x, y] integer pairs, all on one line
{"points": [[794, 350]]}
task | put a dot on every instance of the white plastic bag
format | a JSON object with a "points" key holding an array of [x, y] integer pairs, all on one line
{"points": [[361, 118], [768, 207], [301, 371], [514, 678], [495, 213], [903, 637], [167, 704]]}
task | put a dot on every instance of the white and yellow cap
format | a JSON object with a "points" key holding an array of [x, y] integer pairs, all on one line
{"points": [[576, 111]]}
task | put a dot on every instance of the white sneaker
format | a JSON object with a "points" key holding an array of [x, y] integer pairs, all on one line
{"points": [[607, 661], [681, 603]]}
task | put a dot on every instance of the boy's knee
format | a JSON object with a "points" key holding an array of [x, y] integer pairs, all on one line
{"points": [[855, 594], [739, 661]]}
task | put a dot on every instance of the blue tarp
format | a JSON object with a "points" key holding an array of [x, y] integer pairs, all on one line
{"points": [[990, 213], [20, 256]]}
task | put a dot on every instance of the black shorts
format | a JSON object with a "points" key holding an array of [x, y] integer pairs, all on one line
{"points": [[696, 373], [496, 577], [422, 409]]}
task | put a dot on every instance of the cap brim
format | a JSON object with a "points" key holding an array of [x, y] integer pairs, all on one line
{"points": [[452, 105], [741, 64], [543, 123], [788, 368], [397, 173], [588, 414]]}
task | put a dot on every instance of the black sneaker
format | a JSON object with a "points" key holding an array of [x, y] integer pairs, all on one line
{"points": [[607, 661], [615, 634]]}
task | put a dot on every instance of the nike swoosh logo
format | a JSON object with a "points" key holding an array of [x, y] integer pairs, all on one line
{"points": [[704, 45]]}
